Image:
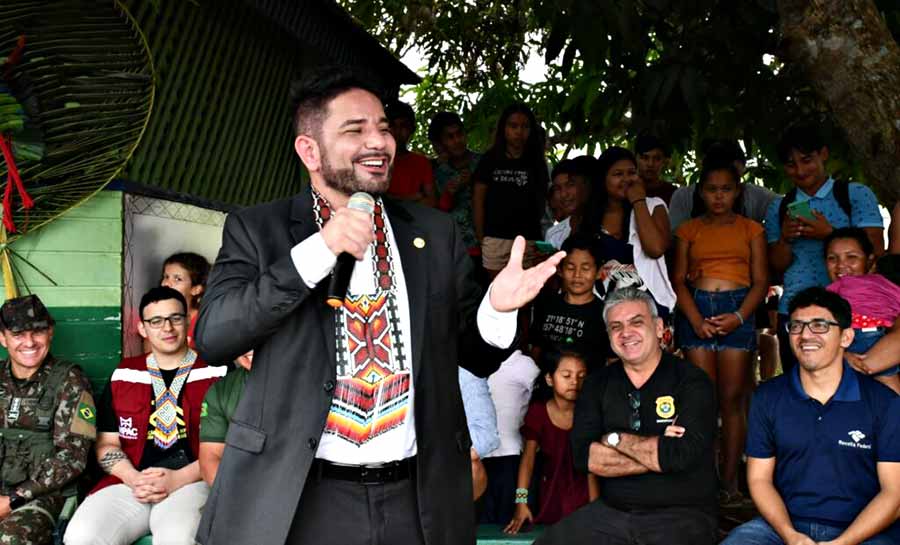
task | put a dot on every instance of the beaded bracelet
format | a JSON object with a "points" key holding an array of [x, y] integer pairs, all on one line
{"points": [[521, 495]]}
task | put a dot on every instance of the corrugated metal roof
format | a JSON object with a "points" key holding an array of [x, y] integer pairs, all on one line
{"points": [[326, 25], [221, 129]]}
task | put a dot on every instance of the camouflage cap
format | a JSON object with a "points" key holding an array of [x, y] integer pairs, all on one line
{"points": [[23, 313]]}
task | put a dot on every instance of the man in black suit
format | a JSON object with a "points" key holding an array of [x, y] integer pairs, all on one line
{"points": [[350, 428]]}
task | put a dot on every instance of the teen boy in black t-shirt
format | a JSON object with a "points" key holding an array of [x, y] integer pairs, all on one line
{"points": [[575, 316]]}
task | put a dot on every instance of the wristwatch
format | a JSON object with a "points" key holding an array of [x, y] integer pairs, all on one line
{"points": [[16, 501], [613, 439]]}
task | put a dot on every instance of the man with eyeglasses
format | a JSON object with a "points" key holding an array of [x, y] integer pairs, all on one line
{"points": [[645, 427], [823, 441], [149, 437]]}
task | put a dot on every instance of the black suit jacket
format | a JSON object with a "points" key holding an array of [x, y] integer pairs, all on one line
{"points": [[256, 299]]}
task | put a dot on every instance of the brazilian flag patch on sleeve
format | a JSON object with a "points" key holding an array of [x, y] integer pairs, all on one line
{"points": [[84, 421], [86, 413]]}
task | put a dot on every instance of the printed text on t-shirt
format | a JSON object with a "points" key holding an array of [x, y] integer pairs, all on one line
{"points": [[507, 176]]}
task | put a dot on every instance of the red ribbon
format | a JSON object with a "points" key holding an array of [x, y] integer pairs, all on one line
{"points": [[6, 147], [12, 178], [14, 58]]}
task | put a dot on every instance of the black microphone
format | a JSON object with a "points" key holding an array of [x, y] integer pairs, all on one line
{"points": [[343, 269]]}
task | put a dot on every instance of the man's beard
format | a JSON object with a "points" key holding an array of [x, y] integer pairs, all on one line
{"points": [[346, 181]]}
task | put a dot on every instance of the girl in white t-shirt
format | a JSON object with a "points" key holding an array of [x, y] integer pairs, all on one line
{"points": [[631, 229]]}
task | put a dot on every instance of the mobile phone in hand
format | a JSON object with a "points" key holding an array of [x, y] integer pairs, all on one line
{"points": [[800, 209], [544, 247]]}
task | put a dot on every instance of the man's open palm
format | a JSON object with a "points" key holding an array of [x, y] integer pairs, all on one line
{"points": [[514, 287]]}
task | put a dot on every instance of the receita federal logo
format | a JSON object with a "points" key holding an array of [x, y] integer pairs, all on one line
{"points": [[857, 437]]}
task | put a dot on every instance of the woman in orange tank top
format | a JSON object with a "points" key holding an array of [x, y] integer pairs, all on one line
{"points": [[720, 279]]}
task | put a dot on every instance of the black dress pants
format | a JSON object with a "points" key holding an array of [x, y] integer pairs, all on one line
{"points": [[598, 524], [338, 512]]}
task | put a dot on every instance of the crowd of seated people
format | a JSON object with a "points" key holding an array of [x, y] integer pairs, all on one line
{"points": [[626, 413]]}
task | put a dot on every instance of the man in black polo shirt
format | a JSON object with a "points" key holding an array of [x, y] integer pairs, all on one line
{"points": [[646, 427], [823, 442]]}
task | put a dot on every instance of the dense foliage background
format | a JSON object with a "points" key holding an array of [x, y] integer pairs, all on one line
{"points": [[686, 70]]}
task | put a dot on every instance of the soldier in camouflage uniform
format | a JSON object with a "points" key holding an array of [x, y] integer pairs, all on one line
{"points": [[47, 425]]}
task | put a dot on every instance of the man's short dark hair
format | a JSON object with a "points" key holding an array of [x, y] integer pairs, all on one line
{"points": [[648, 142], [581, 241], [566, 166], [441, 121], [311, 94], [397, 109], [803, 137], [160, 293], [854, 233], [587, 166], [820, 297]]}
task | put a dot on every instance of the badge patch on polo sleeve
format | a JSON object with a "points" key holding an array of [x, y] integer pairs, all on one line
{"points": [[665, 406]]}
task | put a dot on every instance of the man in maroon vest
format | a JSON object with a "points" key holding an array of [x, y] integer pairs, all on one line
{"points": [[148, 437]]}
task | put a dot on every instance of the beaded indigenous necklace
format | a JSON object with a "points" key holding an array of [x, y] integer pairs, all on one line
{"points": [[168, 415], [369, 345]]}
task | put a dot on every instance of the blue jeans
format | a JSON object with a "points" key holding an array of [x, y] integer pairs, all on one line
{"points": [[713, 303], [758, 532]]}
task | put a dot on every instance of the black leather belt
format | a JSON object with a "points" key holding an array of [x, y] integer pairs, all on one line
{"points": [[386, 473]]}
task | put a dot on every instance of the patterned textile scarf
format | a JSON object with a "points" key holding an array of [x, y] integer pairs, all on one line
{"points": [[372, 393], [168, 415]]}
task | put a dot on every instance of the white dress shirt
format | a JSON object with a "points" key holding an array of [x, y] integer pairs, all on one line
{"points": [[314, 261]]}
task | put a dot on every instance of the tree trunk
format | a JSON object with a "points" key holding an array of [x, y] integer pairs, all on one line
{"points": [[853, 62]]}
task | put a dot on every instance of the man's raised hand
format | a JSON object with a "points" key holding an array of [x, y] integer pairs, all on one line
{"points": [[514, 286]]}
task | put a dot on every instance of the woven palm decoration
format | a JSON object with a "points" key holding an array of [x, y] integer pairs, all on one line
{"points": [[76, 93]]}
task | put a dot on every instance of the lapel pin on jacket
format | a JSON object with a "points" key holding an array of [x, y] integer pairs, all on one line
{"points": [[419, 242]]}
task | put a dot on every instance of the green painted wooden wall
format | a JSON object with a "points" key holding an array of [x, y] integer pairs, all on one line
{"points": [[82, 253]]}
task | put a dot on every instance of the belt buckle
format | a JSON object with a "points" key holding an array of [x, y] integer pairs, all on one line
{"points": [[370, 475]]}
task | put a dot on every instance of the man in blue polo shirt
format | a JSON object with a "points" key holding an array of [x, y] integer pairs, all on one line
{"points": [[815, 207], [823, 443]]}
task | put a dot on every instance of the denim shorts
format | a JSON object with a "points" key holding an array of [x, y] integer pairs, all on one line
{"points": [[864, 340], [713, 303]]}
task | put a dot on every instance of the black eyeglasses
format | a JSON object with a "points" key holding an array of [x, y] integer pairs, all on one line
{"points": [[157, 321], [634, 401], [818, 326]]}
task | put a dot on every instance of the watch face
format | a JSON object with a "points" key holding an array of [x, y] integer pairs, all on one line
{"points": [[613, 439]]}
